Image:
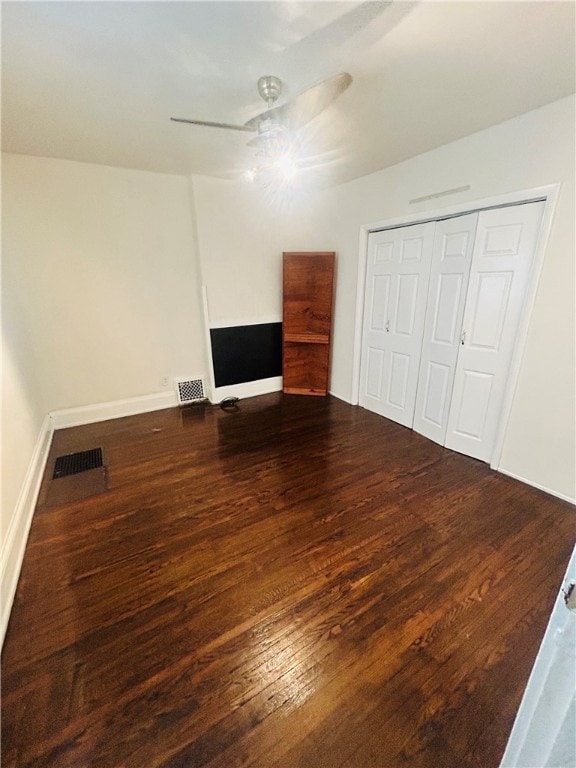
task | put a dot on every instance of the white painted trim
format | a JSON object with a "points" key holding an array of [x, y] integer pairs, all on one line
{"points": [[549, 194], [12, 554], [537, 485], [239, 322], [359, 315], [208, 341], [249, 388], [456, 209], [529, 717], [89, 414], [522, 332]]}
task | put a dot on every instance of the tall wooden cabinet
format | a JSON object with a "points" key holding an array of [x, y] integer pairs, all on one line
{"points": [[308, 287]]}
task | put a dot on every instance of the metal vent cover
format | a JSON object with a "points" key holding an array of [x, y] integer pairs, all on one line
{"points": [[73, 463], [190, 391]]}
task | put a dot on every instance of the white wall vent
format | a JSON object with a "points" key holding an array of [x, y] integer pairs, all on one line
{"points": [[190, 391]]}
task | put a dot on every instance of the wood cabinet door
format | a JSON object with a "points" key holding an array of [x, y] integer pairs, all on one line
{"points": [[308, 286]]}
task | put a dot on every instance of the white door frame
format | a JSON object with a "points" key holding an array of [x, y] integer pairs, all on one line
{"points": [[549, 194], [550, 689]]}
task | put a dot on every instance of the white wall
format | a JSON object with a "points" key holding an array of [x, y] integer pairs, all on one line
{"points": [[101, 263], [21, 423], [101, 296], [242, 234]]}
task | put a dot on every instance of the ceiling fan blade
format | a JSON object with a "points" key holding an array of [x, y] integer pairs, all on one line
{"points": [[305, 107], [229, 126], [352, 40], [331, 37]]}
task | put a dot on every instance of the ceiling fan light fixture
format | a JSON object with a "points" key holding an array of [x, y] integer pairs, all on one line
{"points": [[287, 167], [269, 88], [279, 150], [276, 159], [282, 169]]}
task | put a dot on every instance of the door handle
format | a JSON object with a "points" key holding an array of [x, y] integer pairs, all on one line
{"points": [[387, 326], [570, 596], [463, 338]]}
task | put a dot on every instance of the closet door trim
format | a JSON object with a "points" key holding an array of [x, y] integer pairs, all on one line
{"points": [[547, 194]]}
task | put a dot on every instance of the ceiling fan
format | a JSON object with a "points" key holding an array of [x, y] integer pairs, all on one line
{"points": [[276, 125]]}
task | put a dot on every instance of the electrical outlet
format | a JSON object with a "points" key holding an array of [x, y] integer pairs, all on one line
{"points": [[164, 381]]}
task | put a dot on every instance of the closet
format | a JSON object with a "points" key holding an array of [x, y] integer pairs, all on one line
{"points": [[443, 302]]}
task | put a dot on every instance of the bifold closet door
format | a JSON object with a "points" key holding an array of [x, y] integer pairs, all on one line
{"points": [[501, 263], [451, 259], [397, 276]]}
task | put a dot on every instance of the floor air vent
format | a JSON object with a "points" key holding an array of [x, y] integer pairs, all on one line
{"points": [[190, 391], [73, 463]]}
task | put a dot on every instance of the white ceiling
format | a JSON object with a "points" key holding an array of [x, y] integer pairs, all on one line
{"points": [[98, 81]]}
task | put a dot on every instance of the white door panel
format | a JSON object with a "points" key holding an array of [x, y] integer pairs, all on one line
{"points": [[451, 258], [380, 309], [375, 367], [398, 382], [446, 320], [501, 263], [472, 407], [411, 249], [394, 310], [488, 309]]}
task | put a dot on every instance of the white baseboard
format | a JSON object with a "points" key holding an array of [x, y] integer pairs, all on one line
{"points": [[89, 414], [537, 485], [12, 554], [248, 389]]}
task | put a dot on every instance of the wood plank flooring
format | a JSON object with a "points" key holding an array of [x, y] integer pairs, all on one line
{"points": [[296, 584]]}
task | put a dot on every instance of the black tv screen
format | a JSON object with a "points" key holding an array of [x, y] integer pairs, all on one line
{"points": [[246, 353]]}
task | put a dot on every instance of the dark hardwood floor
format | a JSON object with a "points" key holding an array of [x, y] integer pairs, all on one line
{"points": [[297, 584]]}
